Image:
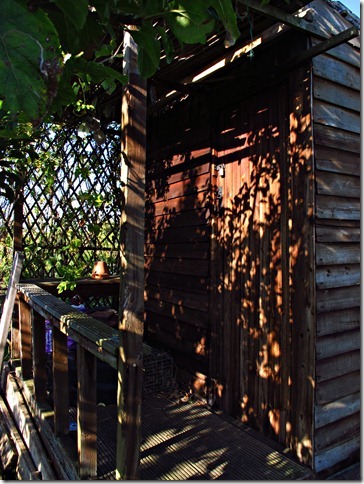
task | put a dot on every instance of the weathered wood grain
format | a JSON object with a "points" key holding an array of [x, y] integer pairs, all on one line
{"points": [[337, 160], [26, 469], [336, 388], [338, 185], [60, 382], [336, 70], [334, 434], [335, 116], [164, 172], [86, 414], [337, 233], [9, 302], [337, 208], [197, 250], [338, 321], [339, 96], [345, 52], [178, 312], [338, 298], [175, 206], [338, 364], [99, 338], [337, 344], [25, 325], [336, 410], [178, 266], [195, 285], [333, 455], [27, 429], [186, 218], [329, 137], [182, 234], [179, 297], [337, 276], [182, 188], [334, 254], [39, 357]]}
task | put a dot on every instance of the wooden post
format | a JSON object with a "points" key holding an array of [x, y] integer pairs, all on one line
{"points": [[25, 319], [60, 382], [131, 305], [18, 220], [9, 303], [86, 413], [39, 357]]}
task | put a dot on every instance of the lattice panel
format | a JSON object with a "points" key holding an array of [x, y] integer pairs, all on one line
{"points": [[71, 205]]}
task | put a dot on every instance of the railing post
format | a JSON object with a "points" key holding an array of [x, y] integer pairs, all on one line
{"points": [[25, 339], [15, 331], [87, 413], [39, 357], [60, 382]]}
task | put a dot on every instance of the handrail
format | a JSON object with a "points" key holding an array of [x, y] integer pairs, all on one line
{"points": [[95, 339]]}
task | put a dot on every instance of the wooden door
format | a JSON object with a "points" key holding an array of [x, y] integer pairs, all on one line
{"points": [[250, 326]]}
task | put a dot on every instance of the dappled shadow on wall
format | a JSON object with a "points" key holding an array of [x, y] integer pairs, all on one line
{"points": [[222, 249]]}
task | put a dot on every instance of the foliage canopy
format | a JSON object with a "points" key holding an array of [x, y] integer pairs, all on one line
{"points": [[58, 57], [55, 53]]}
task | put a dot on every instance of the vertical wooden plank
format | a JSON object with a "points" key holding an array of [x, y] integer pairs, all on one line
{"points": [[215, 299], [15, 331], [60, 382], [39, 357], [9, 303], [286, 324], [87, 413], [132, 255], [303, 294], [18, 220], [25, 324]]}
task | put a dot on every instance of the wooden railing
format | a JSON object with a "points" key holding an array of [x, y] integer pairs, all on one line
{"points": [[95, 340]]}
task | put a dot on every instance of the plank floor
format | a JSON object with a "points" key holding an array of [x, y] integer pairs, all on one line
{"points": [[186, 441]]}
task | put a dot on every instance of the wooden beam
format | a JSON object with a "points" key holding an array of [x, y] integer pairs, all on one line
{"points": [[323, 46], [132, 254], [297, 21]]}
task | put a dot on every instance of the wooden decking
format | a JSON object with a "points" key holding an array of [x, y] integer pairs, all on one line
{"points": [[184, 441], [180, 441]]}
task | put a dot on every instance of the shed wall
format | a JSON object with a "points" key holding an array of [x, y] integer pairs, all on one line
{"points": [[178, 236], [229, 260], [336, 98]]}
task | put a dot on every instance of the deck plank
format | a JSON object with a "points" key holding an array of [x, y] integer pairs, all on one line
{"points": [[183, 441]]}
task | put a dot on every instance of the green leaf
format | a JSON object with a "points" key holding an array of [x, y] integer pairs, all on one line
{"points": [[149, 49], [29, 59], [227, 15], [75, 11], [98, 73], [167, 44], [189, 21]]}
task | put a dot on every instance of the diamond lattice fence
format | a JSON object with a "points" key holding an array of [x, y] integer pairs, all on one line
{"points": [[71, 210]]}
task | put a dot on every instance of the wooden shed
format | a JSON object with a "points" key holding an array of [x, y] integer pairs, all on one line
{"points": [[252, 227]]}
